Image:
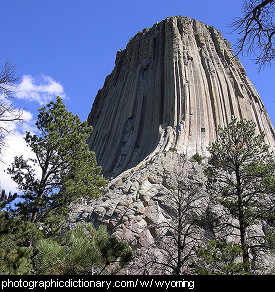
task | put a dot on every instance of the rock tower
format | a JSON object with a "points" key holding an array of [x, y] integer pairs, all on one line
{"points": [[172, 86]]}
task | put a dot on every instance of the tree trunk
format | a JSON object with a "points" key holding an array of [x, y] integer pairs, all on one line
{"points": [[241, 219], [179, 231]]}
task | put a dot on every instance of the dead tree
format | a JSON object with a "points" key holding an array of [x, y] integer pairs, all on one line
{"points": [[8, 114], [256, 30], [178, 237]]}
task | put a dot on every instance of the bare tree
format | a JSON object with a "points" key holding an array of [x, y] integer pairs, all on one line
{"points": [[7, 78], [256, 29], [8, 114], [179, 236]]}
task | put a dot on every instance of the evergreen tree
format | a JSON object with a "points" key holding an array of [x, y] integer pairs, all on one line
{"points": [[14, 258], [219, 257], [178, 237], [67, 167], [64, 170], [5, 200], [83, 250], [241, 178]]}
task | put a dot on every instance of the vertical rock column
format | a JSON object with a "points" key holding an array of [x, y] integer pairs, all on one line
{"points": [[172, 86]]}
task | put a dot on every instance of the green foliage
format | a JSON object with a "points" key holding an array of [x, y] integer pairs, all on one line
{"points": [[15, 260], [64, 169], [17, 238], [5, 199], [173, 149], [219, 258], [241, 177], [197, 157], [84, 250], [67, 167]]}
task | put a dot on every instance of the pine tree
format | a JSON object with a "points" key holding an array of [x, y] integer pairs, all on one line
{"points": [[83, 250], [219, 257], [68, 169], [64, 170], [14, 259], [241, 178]]}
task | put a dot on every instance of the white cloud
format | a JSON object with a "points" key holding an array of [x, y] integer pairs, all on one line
{"points": [[41, 90], [15, 145], [27, 124]]}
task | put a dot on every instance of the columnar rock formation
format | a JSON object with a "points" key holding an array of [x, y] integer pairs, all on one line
{"points": [[171, 87]]}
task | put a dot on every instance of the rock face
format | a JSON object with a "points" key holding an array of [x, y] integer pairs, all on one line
{"points": [[171, 87], [138, 203]]}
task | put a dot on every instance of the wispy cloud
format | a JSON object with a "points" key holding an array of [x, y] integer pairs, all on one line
{"points": [[41, 90]]}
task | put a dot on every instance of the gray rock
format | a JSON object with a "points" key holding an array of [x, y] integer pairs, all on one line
{"points": [[170, 88], [138, 200]]}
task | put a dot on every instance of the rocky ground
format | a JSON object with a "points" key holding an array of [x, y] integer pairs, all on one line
{"points": [[139, 200]]}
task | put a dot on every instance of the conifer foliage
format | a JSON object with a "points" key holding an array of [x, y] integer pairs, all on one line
{"points": [[63, 170], [241, 179], [64, 166], [82, 251]]}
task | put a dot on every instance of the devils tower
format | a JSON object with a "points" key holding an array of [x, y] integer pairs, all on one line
{"points": [[170, 89]]}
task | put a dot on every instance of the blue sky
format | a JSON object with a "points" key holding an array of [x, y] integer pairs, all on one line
{"points": [[68, 47]]}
